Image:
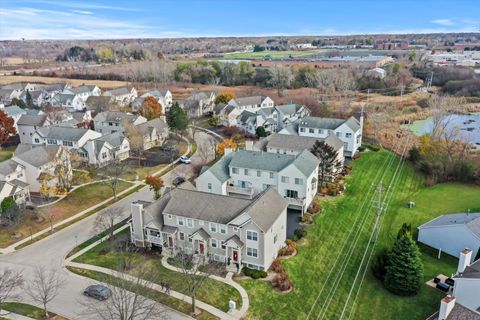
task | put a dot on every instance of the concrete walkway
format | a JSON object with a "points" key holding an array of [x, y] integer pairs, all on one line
{"points": [[13, 316], [11, 248]]}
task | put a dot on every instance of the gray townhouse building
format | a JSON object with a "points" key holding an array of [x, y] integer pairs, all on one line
{"points": [[235, 231]]}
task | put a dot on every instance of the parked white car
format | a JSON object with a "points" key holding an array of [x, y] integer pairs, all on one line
{"points": [[185, 159]]}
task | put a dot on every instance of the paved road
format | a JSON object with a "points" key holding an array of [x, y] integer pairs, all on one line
{"points": [[52, 250]]}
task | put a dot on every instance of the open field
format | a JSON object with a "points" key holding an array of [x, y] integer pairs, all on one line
{"points": [[318, 253], [77, 201], [272, 54], [212, 292], [105, 84]]}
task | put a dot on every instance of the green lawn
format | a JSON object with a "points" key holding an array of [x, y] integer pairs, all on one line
{"points": [[28, 310], [272, 54], [213, 292], [6, 153], [77, 201], [310, 269]]}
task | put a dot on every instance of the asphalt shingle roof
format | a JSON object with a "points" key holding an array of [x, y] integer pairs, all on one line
{"points": [[8, 166], [63, 133], [32, 120], [36, 155], [294, 142]]}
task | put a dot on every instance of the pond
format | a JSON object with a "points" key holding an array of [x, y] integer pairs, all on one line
{"points": [[468, 126]]}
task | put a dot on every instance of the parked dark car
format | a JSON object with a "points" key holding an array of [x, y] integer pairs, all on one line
{"points": [[98, 291], [178, 181]]}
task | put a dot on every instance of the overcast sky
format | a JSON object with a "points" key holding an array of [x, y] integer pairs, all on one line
{"points": [[72, 19]]}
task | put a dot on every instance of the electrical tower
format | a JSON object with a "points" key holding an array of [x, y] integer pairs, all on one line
{"points": [[380, 205]]}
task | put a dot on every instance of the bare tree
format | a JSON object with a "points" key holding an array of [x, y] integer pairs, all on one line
{"points": [[112, 177], [63, 172], [136, 140], [44, 287], [133, 296], [195, 271], [206, 150], [106, 220], [281, 78], [10, 280]]}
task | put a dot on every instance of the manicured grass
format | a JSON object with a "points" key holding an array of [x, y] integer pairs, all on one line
{"points": [[77, 201], [161, 297], [212, 292], [317, 255], [28, 310], [272, 54], [6, 153]]}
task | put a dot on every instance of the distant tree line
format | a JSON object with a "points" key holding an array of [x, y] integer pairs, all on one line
{"points": [[458, 81], [101, 54]]}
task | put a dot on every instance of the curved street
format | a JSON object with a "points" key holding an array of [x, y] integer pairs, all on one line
{"points": [[51, 251]]}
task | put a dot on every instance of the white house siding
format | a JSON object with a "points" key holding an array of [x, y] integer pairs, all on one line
{"points": [[271, 246], [467, 290], [451, 239], [259, 261], [206, 179], [25, 132], [351, 143], [304, 190]]}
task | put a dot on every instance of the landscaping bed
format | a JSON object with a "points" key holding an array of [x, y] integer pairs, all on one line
{"points": [[318, 252], [28, 310]]}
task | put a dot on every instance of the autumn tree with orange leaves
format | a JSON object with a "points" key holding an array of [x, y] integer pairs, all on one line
{"points": [[224, 97], [226, 143], [7, 128], [156, 184], [151, 108]]}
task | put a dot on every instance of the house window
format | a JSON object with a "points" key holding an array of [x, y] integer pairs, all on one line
{"points": [[209, 186], [348, 135], [302, 129], [235, 229], [252, 235], [68, 143], [259, 173], [271, 175], [104, 155], [189, 223], [320, 131], [223, 229], [339, 134], [291, 193], [252, 252], [235, 170], [311, 130], [19, 174], [213, 227], [181, 236], [245, 171], [275, 238], [180, 221], [214, 243], [110, 123], [190, 239], [298, 181], [284, 179], [51, 141], [200, 222], [37, 140], [169, 216], [345, 145], [222, 245], [265, 186]]}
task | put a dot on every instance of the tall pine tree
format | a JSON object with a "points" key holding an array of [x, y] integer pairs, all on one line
{"points": [[177, 118], [328, 160], [404, 272]]}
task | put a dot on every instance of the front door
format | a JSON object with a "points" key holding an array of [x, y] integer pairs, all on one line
{"points": [[235, 255], [170, 242], [202, 247]]}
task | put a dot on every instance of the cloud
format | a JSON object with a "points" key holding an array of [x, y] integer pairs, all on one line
{"points": [[443, 22], [83, 5], [82, 11]]}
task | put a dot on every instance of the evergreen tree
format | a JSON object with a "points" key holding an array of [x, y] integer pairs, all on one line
{"points": [[404, 272], [28, 99], [328, 160], [405, 230], [177, 118], [260, 132]]}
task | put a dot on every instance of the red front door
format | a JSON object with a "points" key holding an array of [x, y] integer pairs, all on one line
{"points": [[235, 256], [202, 248]]}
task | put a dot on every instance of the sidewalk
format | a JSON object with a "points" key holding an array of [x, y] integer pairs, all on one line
{"points": [[13, 316]]}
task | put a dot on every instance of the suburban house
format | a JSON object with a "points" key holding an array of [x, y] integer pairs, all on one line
{"points": [[28, 124], [55, 88], [40, 160], [289, 113], [228, 115], [123, 96], [116, 143], [451, 309], [112, 121], [349, 131], [467, 281], [249, 233], [38, 97], [19, 87], [7, 95], [155, 132], [14, 112], [451, 233], [247, 173], [13, 182], [164, 97], [84, 91], [68, 101], [100, 103]]}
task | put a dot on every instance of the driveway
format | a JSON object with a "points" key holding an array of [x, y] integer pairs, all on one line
{"points": [[51, 251]]}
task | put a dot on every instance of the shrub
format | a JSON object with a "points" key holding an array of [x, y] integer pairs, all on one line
{"points": [[300, 233], [254, 274], [414, 155], [379, 265], [307, 218], [362, 148], [277, 265], [282, 282], [314, 208]]}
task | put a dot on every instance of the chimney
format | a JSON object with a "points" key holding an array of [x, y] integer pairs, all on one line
{"points": [[137, 222], [464, 260], [227, 151], [446, 306], [249, 145]]}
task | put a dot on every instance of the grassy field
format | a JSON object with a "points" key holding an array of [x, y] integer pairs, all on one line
{"points": [[6, 153], [77, 201], [318, 253], [272, 54], [105, 84], [28, 310], [212, 292]]}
